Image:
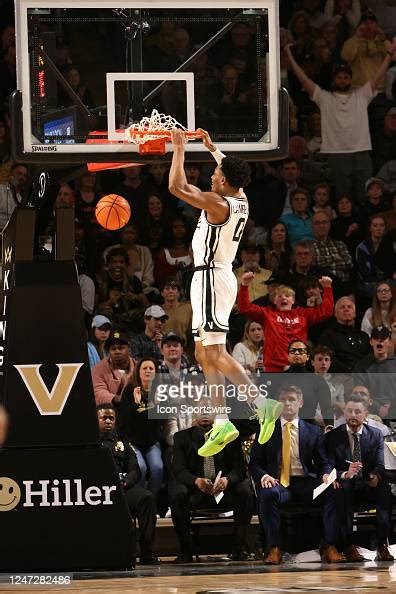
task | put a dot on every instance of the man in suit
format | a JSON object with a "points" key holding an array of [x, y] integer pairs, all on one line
{"points": [[196, 486], [356, 450], [348, 343], [288, 468]]}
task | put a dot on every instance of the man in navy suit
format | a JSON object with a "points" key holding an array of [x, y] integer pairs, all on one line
{"points": [[356, 450], [288, 468]]}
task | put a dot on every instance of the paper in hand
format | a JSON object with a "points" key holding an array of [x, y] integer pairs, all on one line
{"points": [[332, 477], [220, 495]]}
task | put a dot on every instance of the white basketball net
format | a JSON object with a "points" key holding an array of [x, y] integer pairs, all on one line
{"points": [[157, 121]]}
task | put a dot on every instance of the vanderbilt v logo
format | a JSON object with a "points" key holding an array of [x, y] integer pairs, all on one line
{"points": [[49, 403]]}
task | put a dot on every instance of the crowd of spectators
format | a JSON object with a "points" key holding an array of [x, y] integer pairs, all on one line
{"points": [[322, 224]]}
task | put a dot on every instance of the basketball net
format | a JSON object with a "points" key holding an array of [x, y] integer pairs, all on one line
{"points": [[159, 124], [152, 132]]}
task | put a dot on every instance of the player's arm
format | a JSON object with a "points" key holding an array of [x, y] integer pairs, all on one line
{"points": [[208, 143], [211, 202], [216, 153]]}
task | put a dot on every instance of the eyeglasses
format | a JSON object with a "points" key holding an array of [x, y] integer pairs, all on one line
{"points": [[298, 351], [384, 291]]}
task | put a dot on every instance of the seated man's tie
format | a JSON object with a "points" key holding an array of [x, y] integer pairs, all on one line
{"points": [[286, 456], [209, 466], [357, 452]]}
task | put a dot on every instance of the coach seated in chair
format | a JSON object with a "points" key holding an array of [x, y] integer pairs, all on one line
{"points": [[356, 450], [287, 469], [196, 486], [141, 502]]}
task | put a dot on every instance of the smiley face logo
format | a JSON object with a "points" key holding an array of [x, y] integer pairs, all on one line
{"points": [[10, 494]]}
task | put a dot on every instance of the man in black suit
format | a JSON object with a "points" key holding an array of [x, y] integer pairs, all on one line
{"points": [[348, 343], [141, 502], [196, 486], [356, 450], [288, 468]]}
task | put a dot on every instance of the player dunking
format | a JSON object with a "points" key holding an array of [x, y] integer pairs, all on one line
{"points": [[224, 212]]}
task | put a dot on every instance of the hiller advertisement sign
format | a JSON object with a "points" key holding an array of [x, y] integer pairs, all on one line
{"points": [[52, 493], [54, 503]]}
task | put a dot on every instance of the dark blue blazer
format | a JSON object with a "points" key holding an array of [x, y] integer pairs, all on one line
{"points": [[266, 458], [338, 450]]}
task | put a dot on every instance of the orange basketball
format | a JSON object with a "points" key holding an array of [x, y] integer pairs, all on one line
{"points": [[112, 212]]}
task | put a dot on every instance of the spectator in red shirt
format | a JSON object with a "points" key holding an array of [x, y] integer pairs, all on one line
{"points": [[283, 324]]}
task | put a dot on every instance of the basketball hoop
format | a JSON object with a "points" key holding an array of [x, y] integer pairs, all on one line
{"points": [[151, 133]]}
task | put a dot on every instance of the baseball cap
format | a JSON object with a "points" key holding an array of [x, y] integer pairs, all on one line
{"points": [[117, 338], [342, 67], [381, 332], [374, 180], [368, 15], [99, 321], [250, 247], [172, 337], [155, 311]]}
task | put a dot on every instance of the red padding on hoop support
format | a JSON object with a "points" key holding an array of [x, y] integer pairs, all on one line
{"points": [[153, 147], [99, 137], [95, 167]]}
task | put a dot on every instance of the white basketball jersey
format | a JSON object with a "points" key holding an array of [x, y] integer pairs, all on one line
{"points": [[218, 244]]}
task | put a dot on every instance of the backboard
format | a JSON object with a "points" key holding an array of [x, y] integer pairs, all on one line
{"points": [[209, 64]]}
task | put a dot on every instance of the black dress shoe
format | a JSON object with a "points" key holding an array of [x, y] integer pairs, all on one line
{"points": [[180, 559], [150, 560]]}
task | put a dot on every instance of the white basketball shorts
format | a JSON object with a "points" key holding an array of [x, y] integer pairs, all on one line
{"points": [[213, 294]]}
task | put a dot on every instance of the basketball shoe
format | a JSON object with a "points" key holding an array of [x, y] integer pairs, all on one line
{"points": [[267, 415], [218, 437]]}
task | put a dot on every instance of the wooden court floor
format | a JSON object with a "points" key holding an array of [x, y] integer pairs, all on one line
{"points": [[251, 578]]}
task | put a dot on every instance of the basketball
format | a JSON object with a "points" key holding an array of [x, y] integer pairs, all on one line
{"points": [[112, 212]]}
